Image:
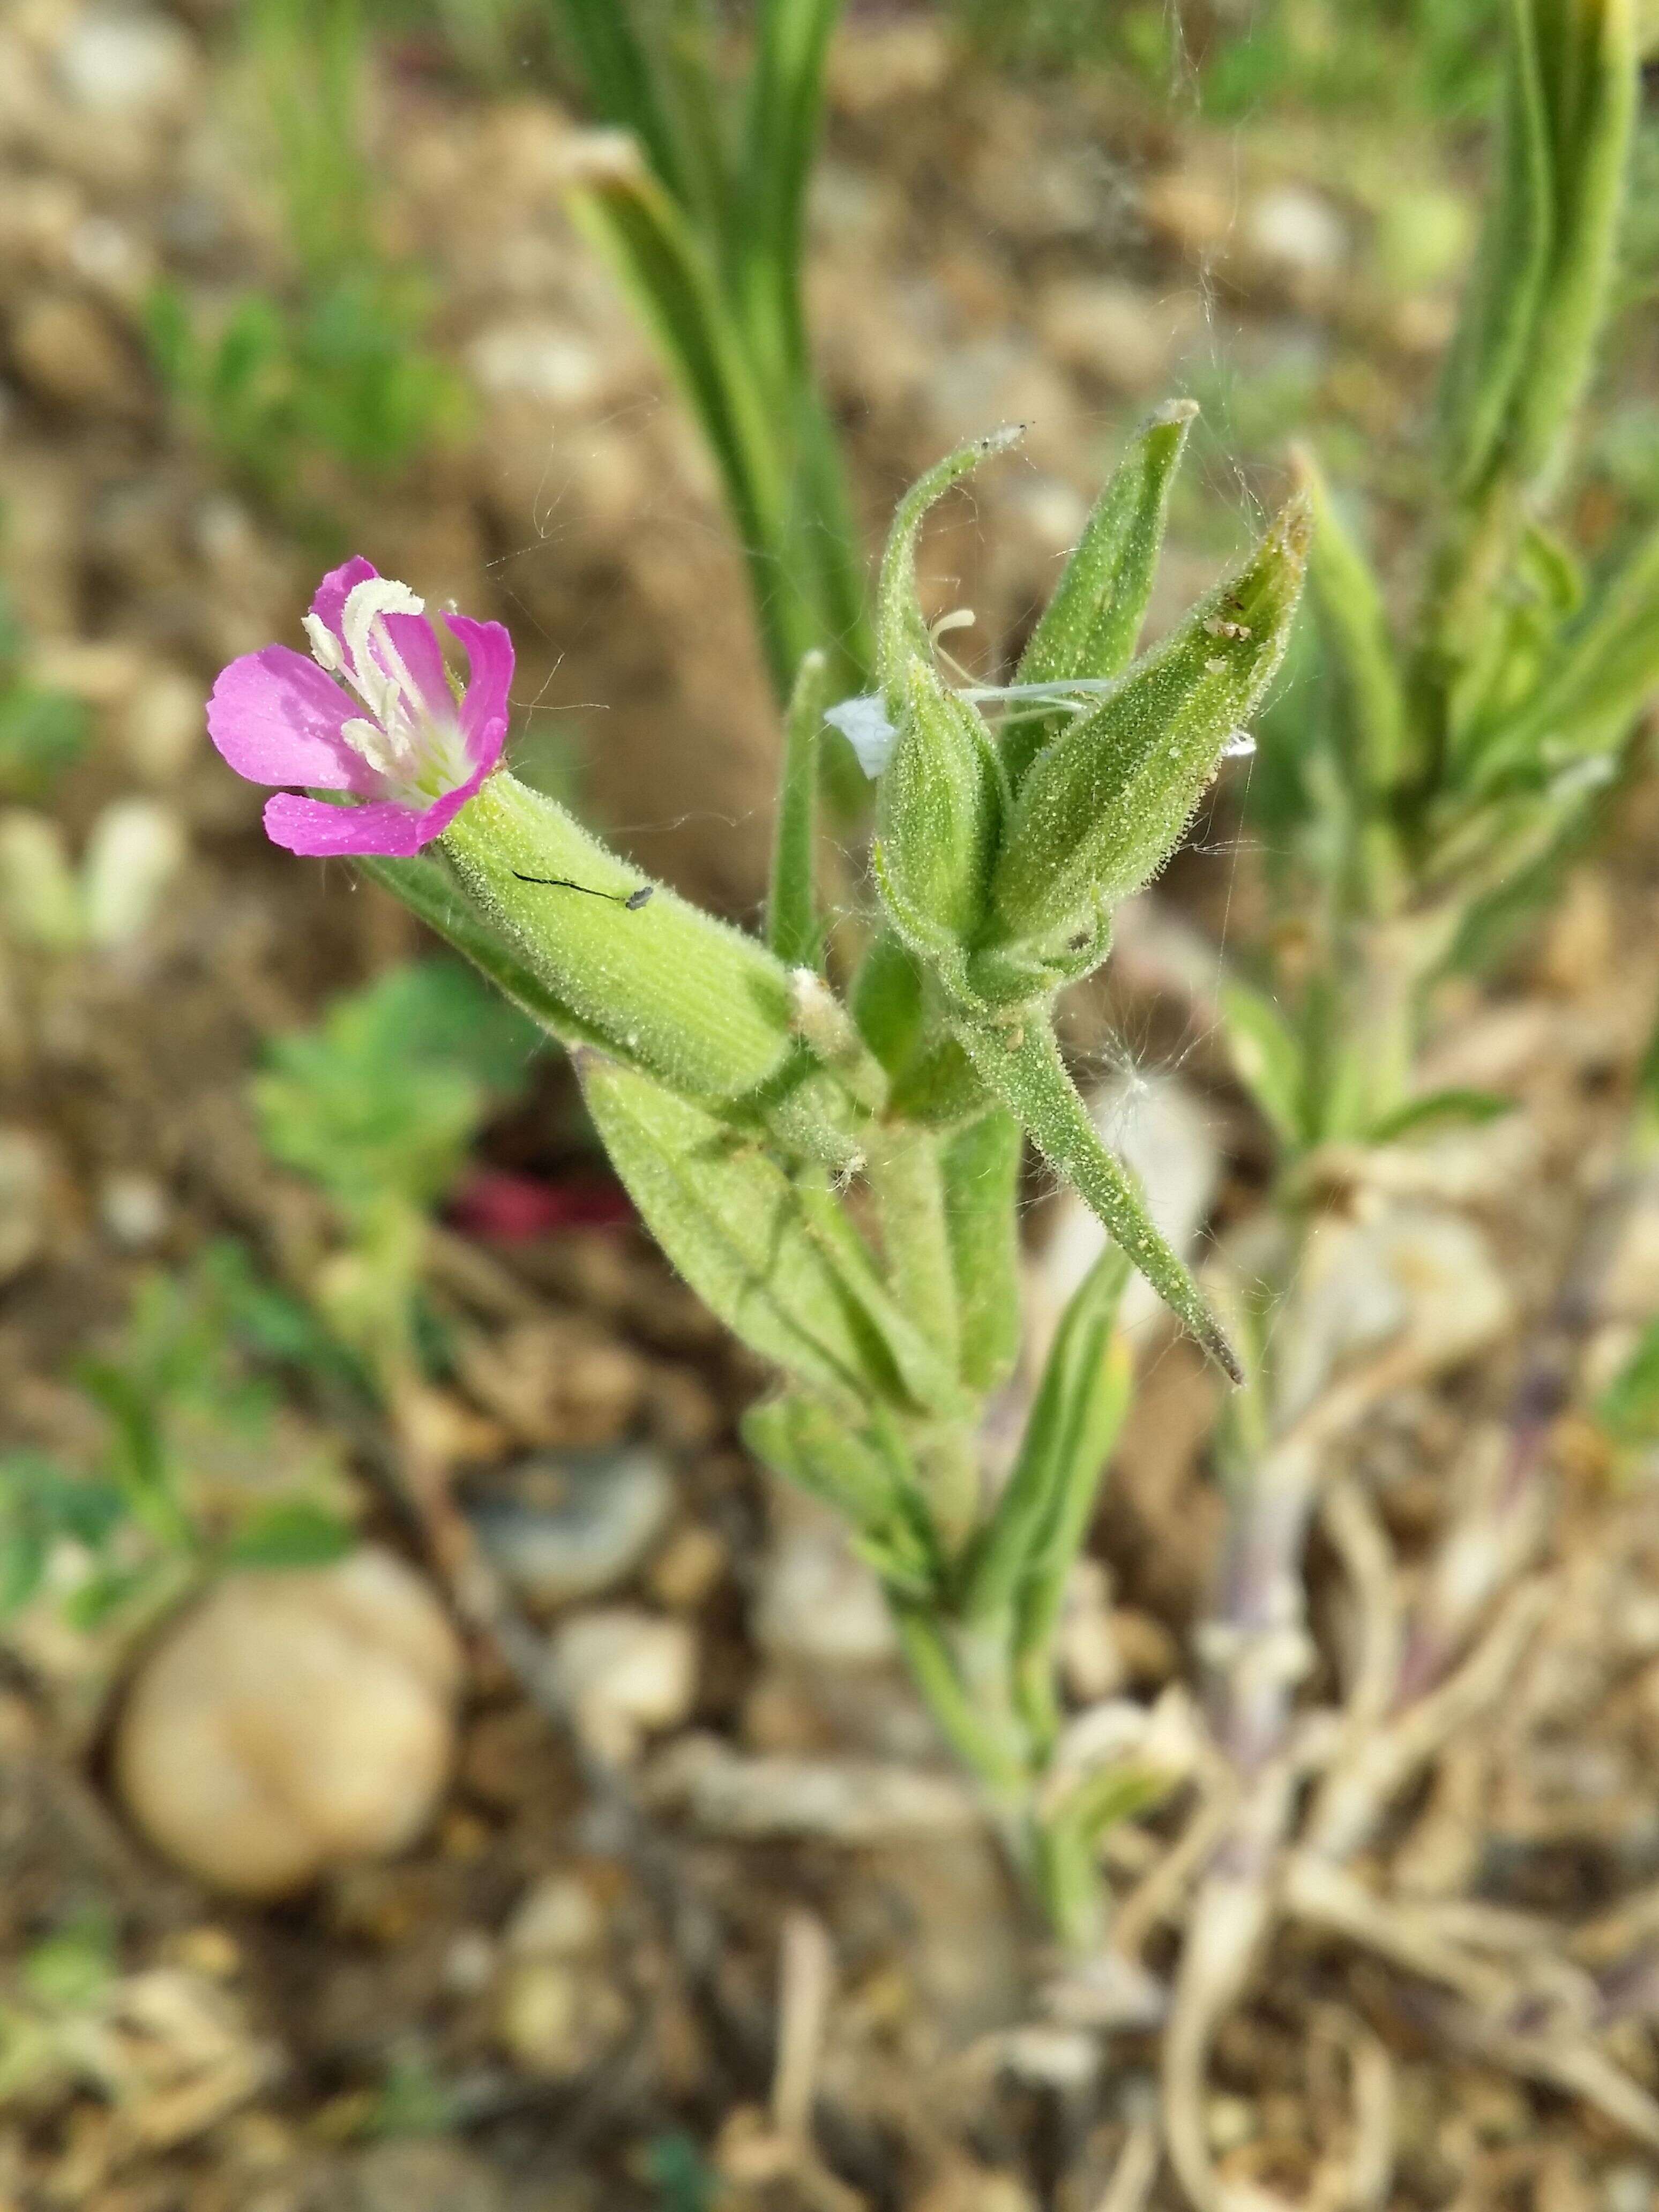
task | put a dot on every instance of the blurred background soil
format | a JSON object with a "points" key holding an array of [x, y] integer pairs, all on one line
{"points": [[553, 2001]]}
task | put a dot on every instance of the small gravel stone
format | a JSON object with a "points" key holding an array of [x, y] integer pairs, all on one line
{"points": [[627, 1673]]}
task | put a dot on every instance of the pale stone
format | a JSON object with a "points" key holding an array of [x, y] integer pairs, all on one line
{"points": [[293, 1721], [626, 1673]]}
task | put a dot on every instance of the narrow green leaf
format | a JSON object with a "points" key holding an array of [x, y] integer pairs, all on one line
{"points": [[1021, 1065], [1105, 805], [906, 1174], [1590, 69], [786, 94], [620, 81], [1267, 1058], [981, 1168], [1605, 672], [1089, 627], [793, 928], [1440, 1110], [1506, 289], [1354, 623], [1026, 1548]]}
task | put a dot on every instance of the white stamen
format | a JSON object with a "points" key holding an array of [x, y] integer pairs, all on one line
{"points": [[370, 741], [325, 646]]}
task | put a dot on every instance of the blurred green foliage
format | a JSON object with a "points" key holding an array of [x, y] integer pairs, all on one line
{"points": [[381, 1099], [1431, 55], [337, 364], [42, 730], [187, 1481]]}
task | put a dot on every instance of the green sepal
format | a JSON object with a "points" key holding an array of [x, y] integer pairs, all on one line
{"points": [[906, 1176], [980, 1167], [1021, 1065], [1089, 627], [938, 813], [901, 627], [862, 1474], [1105, 805]]}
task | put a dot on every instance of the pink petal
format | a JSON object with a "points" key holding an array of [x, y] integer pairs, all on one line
{"points": [[313, 826], [336, 588], [415, 643], [489, 680], [275, 718]]}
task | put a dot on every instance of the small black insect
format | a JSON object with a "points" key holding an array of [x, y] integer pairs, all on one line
{"points": [[633, 900]]}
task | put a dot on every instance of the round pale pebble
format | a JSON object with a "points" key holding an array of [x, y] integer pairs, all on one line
{"points": [[291, 1722]]}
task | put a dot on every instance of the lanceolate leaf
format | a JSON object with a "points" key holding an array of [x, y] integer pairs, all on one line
{"points": [[981, 1168], [1020, 1063], [859, 1472], [1030, 1539], [733, 1223], [1607, 668], [1501, 305]]}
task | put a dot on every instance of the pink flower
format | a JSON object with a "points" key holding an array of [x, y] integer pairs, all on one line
{"points": [[406, 743]]}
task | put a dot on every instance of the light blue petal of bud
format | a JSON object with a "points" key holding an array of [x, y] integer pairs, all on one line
{"points": [[863, 722]]}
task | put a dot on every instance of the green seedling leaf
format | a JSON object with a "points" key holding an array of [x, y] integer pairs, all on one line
{"points": [[1440, 1110], [1267, 1059], [1105, 805], [1503, 298], [71, 1967], [980, 1166], [381, 1100], [1020, 1063], [1628, 1409], [1605, 669], [1089, 627], [1523, 354], [906, 1174], [289, 1533]]}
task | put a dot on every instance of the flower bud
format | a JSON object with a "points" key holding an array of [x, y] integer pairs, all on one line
{"points": [[1104, 806]]}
